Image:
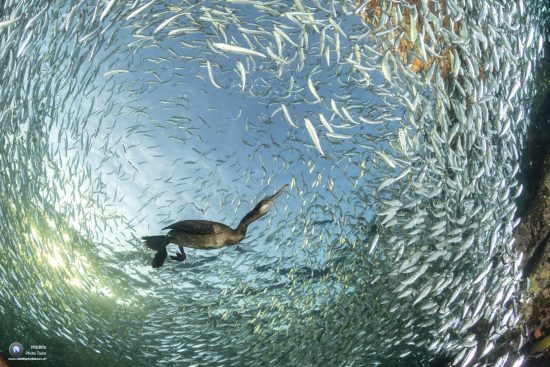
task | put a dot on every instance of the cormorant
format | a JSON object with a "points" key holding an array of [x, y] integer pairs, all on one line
{"points": [[204, 234]]}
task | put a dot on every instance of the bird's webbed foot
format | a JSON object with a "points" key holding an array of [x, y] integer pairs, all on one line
{"points": [[178, 257], [181, 256]]}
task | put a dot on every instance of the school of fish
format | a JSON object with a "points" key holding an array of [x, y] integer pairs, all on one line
{"points": [[398, 126]]}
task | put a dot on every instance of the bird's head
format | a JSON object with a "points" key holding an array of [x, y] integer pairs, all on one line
{"points": [[259, 210], [263, 206]]}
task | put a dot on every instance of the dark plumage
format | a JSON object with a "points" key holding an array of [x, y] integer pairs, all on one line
{"points": [[204, 234]]}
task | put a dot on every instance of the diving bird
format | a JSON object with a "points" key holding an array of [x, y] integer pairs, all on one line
{"points": [[205, 234]]}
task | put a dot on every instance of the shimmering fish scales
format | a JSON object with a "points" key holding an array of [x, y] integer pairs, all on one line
{"points": [[237, 49], [6, 23], [313, 134]]}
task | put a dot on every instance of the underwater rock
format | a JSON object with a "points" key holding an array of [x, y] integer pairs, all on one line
{"points": [[533, 234]]}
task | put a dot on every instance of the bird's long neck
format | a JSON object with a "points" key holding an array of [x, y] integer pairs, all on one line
{"points": [[250, 217]]}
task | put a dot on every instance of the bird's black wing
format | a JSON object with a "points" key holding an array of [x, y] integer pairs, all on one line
{"points": [[195, 226]]}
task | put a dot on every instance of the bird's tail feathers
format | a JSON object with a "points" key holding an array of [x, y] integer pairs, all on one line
{"points": [[156, 243]]}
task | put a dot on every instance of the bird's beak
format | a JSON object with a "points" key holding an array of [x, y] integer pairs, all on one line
{"points": [[271, 199]]}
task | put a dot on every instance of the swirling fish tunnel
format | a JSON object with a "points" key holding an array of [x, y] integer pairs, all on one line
{"points": [[396, 124]]}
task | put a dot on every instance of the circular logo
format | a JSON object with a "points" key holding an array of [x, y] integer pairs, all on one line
{"points": [[16, 349]]}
